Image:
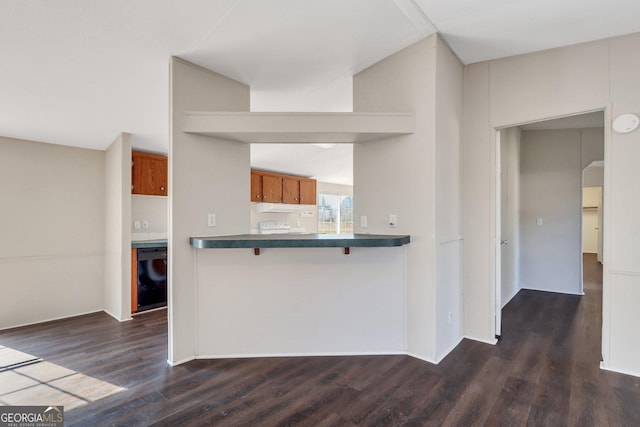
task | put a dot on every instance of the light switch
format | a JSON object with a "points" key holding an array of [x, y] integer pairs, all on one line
{"points": [[145, 225], [136, 225], [539, 221], [211, 220], [363, 221], [393, 220]]}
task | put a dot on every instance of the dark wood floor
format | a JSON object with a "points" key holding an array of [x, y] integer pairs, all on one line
{"points": [[545, 371]]}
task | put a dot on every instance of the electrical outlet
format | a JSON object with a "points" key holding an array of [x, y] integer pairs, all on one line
{"points": [[363, 221], [145, 225], [539, 221], [211, 220], [393, 220]]}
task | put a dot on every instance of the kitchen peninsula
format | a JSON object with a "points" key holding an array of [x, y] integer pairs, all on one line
{"points": [[226, 303], [257, 241]]}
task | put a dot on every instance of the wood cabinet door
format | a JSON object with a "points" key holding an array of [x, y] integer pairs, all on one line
{"points": [[256, 187], [160, 177], [290, 190], [149, 174], [272, 188], [308, 191]]}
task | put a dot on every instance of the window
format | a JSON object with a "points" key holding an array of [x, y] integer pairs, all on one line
{"points": [[335, 213]]}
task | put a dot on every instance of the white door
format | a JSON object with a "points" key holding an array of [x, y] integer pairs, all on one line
{"points": [[498, 238]]}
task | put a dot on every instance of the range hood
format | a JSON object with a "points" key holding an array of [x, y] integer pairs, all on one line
{"points": [[282, 207]]}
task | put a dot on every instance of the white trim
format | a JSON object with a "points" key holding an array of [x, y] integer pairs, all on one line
{"points": [[424, 359], [624, 273], [451, 240], [319, 354], [180, 362], [449, 350], [497, 234], [148, 311], [52, 320], [518, 289], [490, 342], [620, 371], [116, 317], [555, 291]]}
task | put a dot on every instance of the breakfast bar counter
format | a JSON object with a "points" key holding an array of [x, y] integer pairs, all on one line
{"points": [[258, 241]]}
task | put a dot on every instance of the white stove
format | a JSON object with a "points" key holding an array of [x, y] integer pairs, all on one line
{"points": [[274, 227]]}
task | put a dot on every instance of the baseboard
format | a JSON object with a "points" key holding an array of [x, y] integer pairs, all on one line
{"points": [[49, 320], [619, 371], [424, 359], [449, 350], [148, 311], [552, 291], [116, 317], [321, 354], [511, 297], [491, 342], [180, 362]]}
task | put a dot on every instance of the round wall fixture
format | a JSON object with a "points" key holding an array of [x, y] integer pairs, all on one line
{"points": [[626, 123]]}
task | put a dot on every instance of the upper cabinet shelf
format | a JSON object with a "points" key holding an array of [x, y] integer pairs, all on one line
{"points": [[298, 127]]}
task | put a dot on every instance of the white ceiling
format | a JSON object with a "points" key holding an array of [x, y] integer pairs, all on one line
{"points": [[79, 72]]}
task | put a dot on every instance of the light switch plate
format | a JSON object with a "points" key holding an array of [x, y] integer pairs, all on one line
{"points": [[393, 220], [145, 225], [539, 221], [363, 221], [136, 225]]}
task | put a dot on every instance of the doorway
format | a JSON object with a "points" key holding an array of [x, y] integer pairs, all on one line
{"points": [[539, 181]]}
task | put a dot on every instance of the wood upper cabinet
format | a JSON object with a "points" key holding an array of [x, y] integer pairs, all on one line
{"points": [[272, 188], [256, 186], [307, 191], [277, 188], [290, 190], [149, 174]]}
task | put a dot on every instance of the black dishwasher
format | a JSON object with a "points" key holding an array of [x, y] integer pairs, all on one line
{"points": [[152, 278]]}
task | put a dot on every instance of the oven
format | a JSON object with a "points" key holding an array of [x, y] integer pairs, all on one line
{"points": [[152, 278]]}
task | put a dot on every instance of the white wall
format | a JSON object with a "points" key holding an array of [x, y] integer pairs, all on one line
{"points": [[551, 191], [593, 176], [154, 210], [397, 176], [117, 273], [552, 162], [510, 213], [335, 95], [310, 301], [401, 176], [449, 93], [52, 219], [543, 85], [230, 302], [205, 176]]}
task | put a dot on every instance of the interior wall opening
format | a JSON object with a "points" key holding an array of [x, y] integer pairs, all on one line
{"points": [[544, 172], [331, 165]]}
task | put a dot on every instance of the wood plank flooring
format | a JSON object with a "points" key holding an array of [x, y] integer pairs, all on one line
{"points": [[544, 372]]}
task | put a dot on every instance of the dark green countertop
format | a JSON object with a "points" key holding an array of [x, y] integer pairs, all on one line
{"points": [[138, 244], [299, 241]]}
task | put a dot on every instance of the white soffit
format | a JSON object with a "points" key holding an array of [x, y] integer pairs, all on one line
{"points": [[580, 121]]}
